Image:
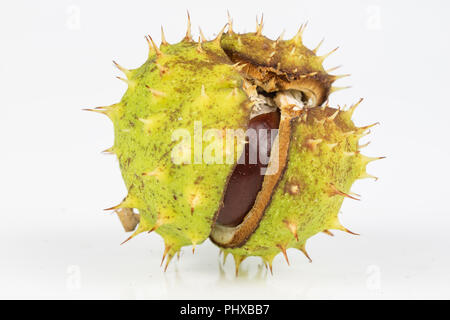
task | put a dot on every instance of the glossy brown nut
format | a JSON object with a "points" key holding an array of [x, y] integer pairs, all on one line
{"points": [[247, 178]]}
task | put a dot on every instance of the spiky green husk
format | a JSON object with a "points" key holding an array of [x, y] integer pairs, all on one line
{"points": [[188, 82], [281, 64], [290, 56], [172, 89]]}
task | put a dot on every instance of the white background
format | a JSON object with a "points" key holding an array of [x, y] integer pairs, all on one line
{"points": [[57, 242]]}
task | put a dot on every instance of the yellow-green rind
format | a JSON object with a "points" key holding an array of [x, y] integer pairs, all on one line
{"points": [[178, 85]]}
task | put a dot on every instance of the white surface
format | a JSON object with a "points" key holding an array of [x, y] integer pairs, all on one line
{"points": [[55, 240]]}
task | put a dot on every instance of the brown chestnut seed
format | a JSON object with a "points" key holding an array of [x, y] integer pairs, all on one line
{"points": [[234, 228], [247, 178]]}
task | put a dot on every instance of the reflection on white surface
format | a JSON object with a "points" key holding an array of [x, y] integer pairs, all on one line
{"points": [[70, 260]]}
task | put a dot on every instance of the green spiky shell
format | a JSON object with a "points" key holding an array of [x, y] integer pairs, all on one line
{"points": [[172, 89], [187, 82]]}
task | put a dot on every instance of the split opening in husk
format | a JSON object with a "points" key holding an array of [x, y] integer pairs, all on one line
{"points": [[249, 190]]}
